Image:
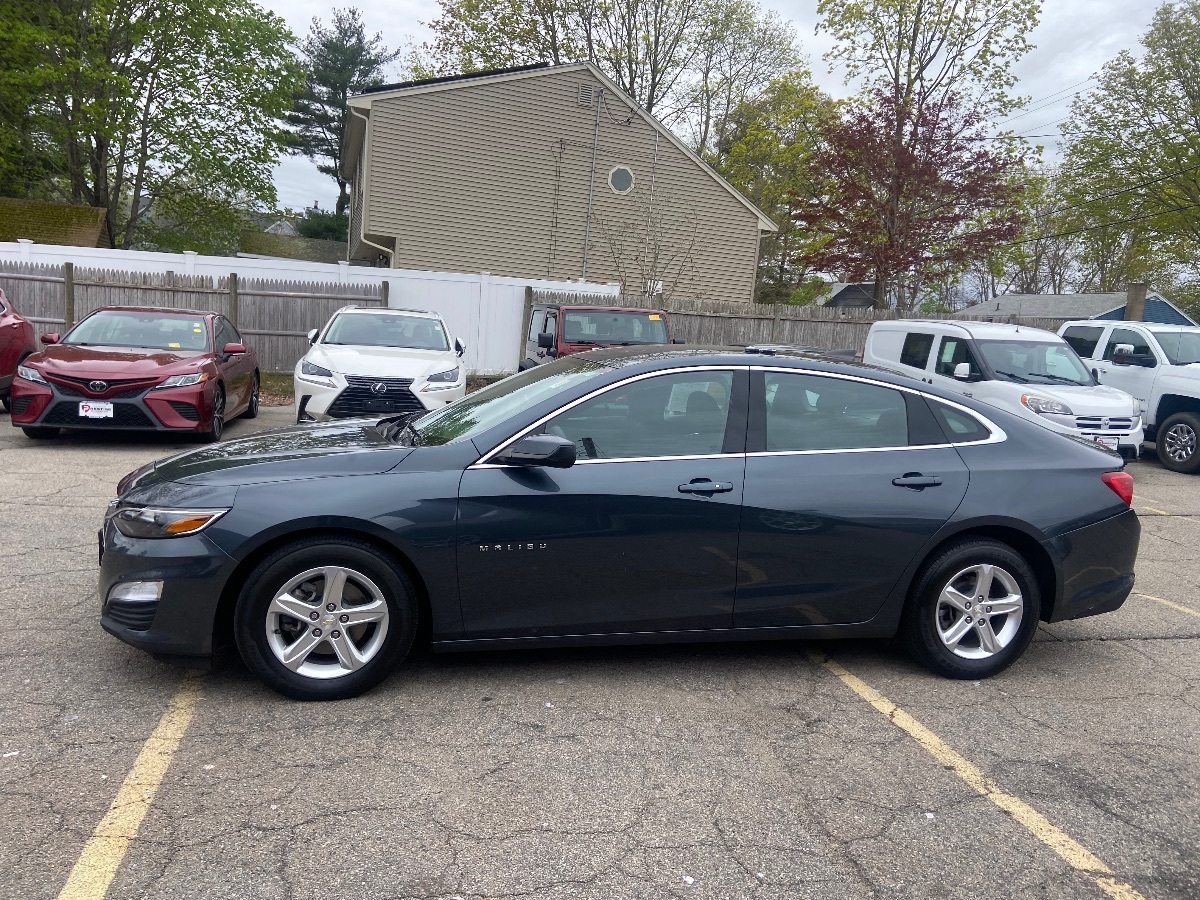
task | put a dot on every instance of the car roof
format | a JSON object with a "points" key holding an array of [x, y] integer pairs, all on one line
{"points": [[157, 310], [603, 307], [388, 310], [1164, 327], [993, 330]]}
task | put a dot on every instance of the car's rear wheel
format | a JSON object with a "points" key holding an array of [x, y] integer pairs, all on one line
{"points": [[252, 410], [40, 432], [1177, 443], [325, 619], [973, 610], [216, 426]]}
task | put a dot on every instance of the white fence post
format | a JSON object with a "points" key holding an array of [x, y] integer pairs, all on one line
{"points": [[189, 262], [26, 244]]}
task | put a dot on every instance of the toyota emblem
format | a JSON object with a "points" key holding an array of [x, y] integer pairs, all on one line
{"points": [[379, 388], [97, 387]]}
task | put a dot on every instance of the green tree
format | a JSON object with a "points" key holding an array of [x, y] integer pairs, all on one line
{"points": [[163, 112], [328, 226], [339, 62], [766, 151]]}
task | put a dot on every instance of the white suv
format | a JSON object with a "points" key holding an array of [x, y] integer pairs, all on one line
{"points": [[371, 361], [1026, 371]]}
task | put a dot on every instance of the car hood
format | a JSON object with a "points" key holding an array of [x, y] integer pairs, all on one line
{"points": [[1094, 400], [345, 447], [76, 361], [382, 362]]}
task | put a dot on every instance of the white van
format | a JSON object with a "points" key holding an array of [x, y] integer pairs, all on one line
{"points": [[1026, 371]]}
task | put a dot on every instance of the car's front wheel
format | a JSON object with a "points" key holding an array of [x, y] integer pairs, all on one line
{"points": [[255, 396], [1177, 443], [973, 610], [325, 619], [216, 425]]}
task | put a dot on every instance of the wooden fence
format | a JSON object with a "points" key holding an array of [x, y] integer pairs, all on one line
{"points": [[274, 316]]}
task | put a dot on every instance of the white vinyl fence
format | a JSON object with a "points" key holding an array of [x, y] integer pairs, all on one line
{"points": [[484, 311]]}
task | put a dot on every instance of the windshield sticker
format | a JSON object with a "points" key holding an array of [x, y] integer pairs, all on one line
{"points": [[174, 345], [655, 317]]}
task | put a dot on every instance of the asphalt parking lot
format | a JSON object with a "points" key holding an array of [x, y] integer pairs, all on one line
{"points": [[824, 770]]}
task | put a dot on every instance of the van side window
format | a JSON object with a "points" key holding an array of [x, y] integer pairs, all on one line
{"points": [[1083, 339], [916, 349], [952, 352], [1125, 336]]}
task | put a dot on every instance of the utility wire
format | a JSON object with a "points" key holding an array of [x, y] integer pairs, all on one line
{"points": [[1032, 103], [1128, 189], [1130, 220]]}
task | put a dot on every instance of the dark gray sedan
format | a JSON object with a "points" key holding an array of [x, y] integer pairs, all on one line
{"points": [[620, 496]]}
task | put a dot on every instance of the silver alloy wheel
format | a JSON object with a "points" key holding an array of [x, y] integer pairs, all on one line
{"points": [[327, 622], [1180, 442], [979, 611]]}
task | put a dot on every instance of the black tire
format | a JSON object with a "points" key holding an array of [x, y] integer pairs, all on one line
{"points": [[7, 401], [40, 432], [926, 615], [525, 365], [1178, 443], [216, 426], [253, 616], [252, 410]]}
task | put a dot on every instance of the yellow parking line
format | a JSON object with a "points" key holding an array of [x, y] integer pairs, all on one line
{"points": [[1182, 517], [1177, 606], [1073, 853], [102, 854]]}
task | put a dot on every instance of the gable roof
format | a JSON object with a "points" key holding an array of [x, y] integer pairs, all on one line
{"points": [[356, 125], [1074, 306]]}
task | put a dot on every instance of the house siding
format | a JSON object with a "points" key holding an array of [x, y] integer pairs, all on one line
{"points": [[493, 176]]}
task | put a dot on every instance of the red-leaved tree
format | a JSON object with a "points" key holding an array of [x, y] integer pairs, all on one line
{"points": [[906, 198]]}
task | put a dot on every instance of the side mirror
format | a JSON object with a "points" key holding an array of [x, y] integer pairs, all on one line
{"points": [[540, 450], [312, 337], [1122, 355], [1145, 360], [962, 372], [678, 341], [51, 338], [458, 347], [546, 340], [232, 349], [1096, 375]]}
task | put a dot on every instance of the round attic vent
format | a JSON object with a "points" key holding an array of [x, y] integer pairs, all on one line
{"points": [[620, 180]]}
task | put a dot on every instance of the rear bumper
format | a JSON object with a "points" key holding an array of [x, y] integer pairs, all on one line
{"points": [[1096, 566]]}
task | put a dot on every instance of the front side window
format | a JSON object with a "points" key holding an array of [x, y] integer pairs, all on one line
{"points": [[143, 330], [952, 352], [1034, 362], [916, 349], [1141, 347], [813, 412], [1083, 339], [680, 414], [359, 329], [535, 323]]}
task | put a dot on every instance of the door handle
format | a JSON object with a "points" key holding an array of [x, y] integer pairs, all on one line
{"points": [[706, 486], [916, 481]]}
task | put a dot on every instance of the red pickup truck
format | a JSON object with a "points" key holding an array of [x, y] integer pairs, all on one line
{"points": [[556, 330]]}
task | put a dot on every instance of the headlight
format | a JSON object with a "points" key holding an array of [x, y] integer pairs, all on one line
{"points": [[1044, 406], [183, 381], [450, 375], [31, 374], [1137, 407], [151, 522], [307, 368]]}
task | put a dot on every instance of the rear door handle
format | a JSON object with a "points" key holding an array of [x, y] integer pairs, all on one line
{"points": [[916, 481], [706, 486]]}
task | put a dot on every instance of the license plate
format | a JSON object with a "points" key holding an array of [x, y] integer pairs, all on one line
{"points": [[1109, 442], [95, 409]]}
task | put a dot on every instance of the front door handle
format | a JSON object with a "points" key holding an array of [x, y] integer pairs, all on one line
{"points": [[916, 481], [706, 486]]}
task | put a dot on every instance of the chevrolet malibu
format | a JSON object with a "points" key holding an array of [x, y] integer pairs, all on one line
{"points": [[623, 496]]}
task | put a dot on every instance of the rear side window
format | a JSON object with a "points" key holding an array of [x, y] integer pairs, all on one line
{"points": [[960, 427], [811, 412], [916, 349], [1083, 339]]}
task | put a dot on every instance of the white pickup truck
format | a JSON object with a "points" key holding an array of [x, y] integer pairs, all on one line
{"points": [[1158, 364]]}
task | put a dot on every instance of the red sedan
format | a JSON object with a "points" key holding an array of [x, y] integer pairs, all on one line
{"points": [[16, 343], [133, 369]]}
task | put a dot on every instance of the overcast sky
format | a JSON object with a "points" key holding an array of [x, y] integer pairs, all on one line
{"points": [[1073, 41]]}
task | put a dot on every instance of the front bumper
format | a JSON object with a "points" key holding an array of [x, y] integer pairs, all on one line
{"points": [[1129, 440], [193, 572], [1095, 565], [53, 406], [322, 400]]}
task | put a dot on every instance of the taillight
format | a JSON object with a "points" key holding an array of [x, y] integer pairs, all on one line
{"points": [[1121, 484]]}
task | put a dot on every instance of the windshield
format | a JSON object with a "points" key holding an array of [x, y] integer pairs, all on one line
{"points": [[1035, 362], [1182, 347], [478, 412], [386, 330], [605, 327], [133, 328]]}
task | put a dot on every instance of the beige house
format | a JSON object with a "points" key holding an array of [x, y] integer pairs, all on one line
{"points": [[498, 171]]}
